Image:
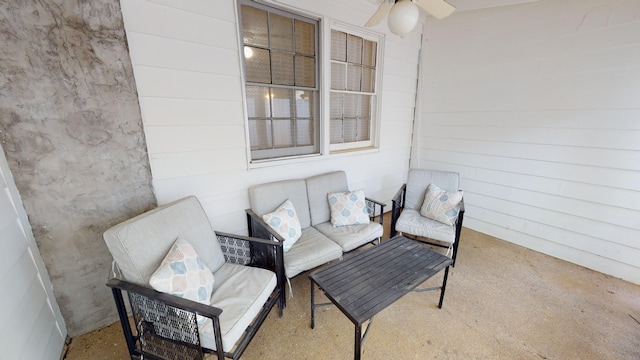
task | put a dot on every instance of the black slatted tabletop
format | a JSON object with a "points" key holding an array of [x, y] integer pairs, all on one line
{"points": [[365, 283]]}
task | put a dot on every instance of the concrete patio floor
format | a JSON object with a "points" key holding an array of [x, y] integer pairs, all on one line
{"points": [[502, 301]]}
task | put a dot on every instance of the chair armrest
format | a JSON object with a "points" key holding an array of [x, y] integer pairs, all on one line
{"points": [[397, 204], [371, 208], [398, 198], [259, 229], [461, 205], [162, 320], [168, 299], [252, 251]]}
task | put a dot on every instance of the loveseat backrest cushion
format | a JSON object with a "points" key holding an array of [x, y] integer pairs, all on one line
{"points": [[419, 179], [139, 245], [317, 188], [265, 198]]}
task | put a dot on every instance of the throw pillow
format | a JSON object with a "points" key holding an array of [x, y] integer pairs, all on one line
{"points": [[348, 208], [284, 220], [183, 274], [441, 205]]}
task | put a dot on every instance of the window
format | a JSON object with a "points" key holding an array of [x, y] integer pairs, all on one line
{"points": [[353, 75], [282, 68]]}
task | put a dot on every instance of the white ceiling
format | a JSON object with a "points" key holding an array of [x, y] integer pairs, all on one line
{"points": [[462, 5]]}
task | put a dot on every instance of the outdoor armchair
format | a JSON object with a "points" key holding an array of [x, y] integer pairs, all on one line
{"points": [[235, 283], [407, 213]]}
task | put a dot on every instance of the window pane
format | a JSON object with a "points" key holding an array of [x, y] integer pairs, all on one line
{"points": [[338, 74], [363, 129], [304, 104], [283, 133], [338, 45], [336, 105], [354, 74], [364, 104], [254, 26], [350, 105], [281, 32], [305, 38], [304, 132], [369, 53], [258, 65], [349, 129], [336, 131], [282, 103], [260, 134], [354, 49], [258, 102], [368, 79], [305, 71], [282, 68]]}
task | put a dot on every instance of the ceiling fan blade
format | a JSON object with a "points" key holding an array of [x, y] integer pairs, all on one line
{"points": [[438, 8], [382, 11]]}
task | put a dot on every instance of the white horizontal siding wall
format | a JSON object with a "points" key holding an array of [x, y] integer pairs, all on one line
{"points": [[538, 107], [187, 69]]}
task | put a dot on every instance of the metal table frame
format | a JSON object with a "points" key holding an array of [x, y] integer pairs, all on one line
{"points": [[367, 282]]}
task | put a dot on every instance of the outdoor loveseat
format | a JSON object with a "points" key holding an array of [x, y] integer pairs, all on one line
{"points": [[236, 285], [321, 240]]}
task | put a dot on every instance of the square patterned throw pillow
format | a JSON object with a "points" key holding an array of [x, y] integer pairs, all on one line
{"points": [[441, 205], [284, 220], [183, 274], [348, 208]]}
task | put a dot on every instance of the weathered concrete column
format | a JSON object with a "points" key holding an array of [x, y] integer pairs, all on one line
{"points": [[72, 131]]}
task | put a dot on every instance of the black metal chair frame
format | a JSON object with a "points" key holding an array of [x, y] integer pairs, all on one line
{"points": [[163, 326], [258, 228], [396, 209]]}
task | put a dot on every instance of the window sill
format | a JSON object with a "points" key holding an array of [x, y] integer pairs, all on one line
{"points": [[259, 164]]}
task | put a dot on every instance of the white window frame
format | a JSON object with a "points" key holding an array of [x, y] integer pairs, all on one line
{"points": [[326, 149], [374, 129]]}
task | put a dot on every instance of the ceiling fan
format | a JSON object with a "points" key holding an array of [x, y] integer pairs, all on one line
{"points": [[402, 15]]}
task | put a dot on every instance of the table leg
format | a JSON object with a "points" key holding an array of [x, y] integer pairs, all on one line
{"points": [[358, 342], [312, 306], [444, 286]]}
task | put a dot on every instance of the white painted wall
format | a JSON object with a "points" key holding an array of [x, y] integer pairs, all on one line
{"points": [[537, 106], [31, 325], [186, 65]]}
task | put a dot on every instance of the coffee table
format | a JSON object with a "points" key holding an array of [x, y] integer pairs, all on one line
{"points": [[367, 282]]}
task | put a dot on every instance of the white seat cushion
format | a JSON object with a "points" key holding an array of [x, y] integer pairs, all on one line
{"points": [[311, 250], [351, 236], [411, 222], [240, 291]]}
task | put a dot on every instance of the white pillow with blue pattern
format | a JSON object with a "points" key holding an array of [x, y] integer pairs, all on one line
{"points": [[441, 205], [284, 220], [183, 274], [348, 208]]}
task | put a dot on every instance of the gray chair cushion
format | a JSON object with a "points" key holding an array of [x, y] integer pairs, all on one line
{"points": [[311, 250], [265, 198], [317, 189], [411, 222], [351, 236], [418, 181], [138, 245]]}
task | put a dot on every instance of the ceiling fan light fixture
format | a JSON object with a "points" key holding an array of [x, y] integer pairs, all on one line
{"points": [[403, 17]]}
